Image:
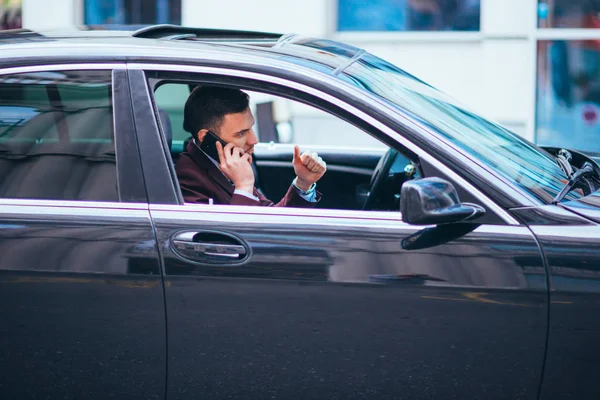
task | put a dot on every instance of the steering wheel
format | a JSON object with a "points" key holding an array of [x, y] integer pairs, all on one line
{"points": [[379, 177]]}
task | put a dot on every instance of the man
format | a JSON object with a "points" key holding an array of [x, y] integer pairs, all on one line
{"points": [[230, 179]]}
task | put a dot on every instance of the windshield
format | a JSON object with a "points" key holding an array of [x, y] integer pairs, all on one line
{"points": [[493, 145]]}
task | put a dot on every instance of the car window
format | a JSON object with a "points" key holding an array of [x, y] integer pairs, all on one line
{"points": [[281, 120], [170, 99], [57, 136], [278, 120], [352, 155]]}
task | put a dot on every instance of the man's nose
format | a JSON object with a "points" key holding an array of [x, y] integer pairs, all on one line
{"points": [[253, 139]]}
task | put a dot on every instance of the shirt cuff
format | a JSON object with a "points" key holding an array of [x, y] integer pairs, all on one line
{"points": [[245, 194], [309, 195]]}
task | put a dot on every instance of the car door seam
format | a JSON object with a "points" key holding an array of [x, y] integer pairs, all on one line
{"points": [[548, 311]]}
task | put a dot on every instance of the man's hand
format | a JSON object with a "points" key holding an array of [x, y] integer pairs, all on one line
{"points": [[236, 166], [309, 168]]}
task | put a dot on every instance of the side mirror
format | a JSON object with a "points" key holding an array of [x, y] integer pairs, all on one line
{"points": [[432, 201]]}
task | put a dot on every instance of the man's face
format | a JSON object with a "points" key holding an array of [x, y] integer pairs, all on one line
{"points": [[237, 129]]}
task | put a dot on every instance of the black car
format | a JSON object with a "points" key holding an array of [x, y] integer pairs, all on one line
{"points": [[455, 260]]}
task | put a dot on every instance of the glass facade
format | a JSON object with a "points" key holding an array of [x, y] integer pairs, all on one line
{"points": [[568, 94], [409, 15], [568, 76], [583, 14], [132, 12]]}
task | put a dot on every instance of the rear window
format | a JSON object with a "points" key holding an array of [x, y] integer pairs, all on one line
{"points": [[57, 136]]}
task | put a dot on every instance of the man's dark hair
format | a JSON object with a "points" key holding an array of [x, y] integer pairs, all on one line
{"points": [[206, 107]]}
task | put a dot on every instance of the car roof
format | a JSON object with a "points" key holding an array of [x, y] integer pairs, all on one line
{"points": [[172, 42]]}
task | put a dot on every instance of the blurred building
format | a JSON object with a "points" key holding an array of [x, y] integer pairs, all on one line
{"points": [[532, 65], [10, 14]]}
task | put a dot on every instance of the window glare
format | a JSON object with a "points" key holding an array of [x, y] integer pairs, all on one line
{"points": [[495, 146]]}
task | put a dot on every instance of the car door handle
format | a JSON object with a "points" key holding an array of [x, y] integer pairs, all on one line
{"points": [[211, 249], [196, 245]]}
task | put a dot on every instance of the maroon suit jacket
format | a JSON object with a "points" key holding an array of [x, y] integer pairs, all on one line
{"points": [[200, 179]]}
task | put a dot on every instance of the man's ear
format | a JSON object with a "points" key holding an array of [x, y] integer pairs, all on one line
{"points": [[201, 134]]}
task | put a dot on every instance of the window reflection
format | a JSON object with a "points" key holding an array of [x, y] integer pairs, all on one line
{"points": [[568, 94], [57, 137], [491, 144], [408, 15], [583, 14]]}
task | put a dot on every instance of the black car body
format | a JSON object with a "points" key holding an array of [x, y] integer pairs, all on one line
{"points": [[112, 287]]}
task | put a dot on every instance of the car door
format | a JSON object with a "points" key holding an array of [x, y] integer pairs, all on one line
{"points": [[80, 284], [570, 239], [323, 303]]}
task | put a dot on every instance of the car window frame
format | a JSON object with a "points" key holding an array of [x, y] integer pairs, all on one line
{"points": [[177, 131], [387, 135], [130, 183]]}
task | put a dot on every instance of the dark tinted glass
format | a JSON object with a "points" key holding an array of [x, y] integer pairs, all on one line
{"points": [[409, 15], [568, 94], [56, 136], [583, 14]]}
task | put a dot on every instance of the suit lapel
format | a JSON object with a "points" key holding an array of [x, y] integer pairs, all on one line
{"points": [[212, 172]]}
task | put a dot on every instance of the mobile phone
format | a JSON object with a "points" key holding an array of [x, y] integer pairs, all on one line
{"points": [[208, 145]]}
